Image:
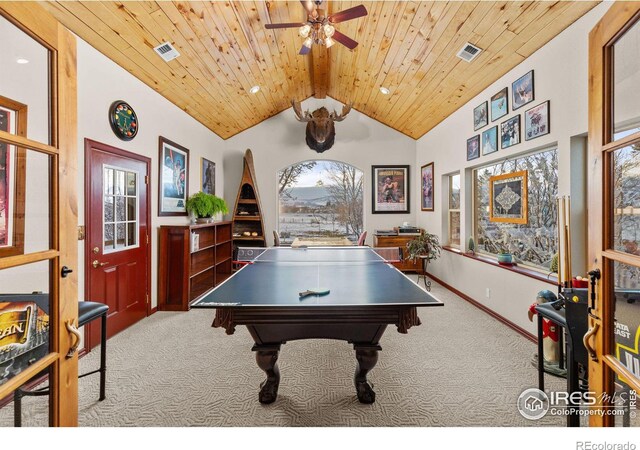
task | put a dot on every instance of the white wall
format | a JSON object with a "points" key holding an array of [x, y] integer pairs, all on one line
{"points": [[560, 71], [280, 141], [100, 82]]}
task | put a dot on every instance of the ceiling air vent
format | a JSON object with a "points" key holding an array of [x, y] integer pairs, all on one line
{"points": [[167, 51], [468, 52]]}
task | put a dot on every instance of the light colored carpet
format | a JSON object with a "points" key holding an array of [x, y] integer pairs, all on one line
{"points": [[459, 368]]}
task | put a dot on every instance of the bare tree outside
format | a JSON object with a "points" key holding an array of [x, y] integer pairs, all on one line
{"points": [[320, 199], [533, 243]]}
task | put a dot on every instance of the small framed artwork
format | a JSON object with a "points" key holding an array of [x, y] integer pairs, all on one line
{"points": [[473, 147], [427, 192], [390, 193], [510, 132], [480, 116], [174, 179], [499, 105], [13, 120], [536, 121], [490, 141], [208, 176], [522, 91], [508, 198]]}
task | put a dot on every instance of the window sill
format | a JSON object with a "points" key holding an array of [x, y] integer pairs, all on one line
{"points": [[531, 273]]}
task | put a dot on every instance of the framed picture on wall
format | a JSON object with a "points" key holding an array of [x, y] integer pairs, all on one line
{"points": [[174, 179], [473, 147], [490, 141], [499, 104], [508, 198], [480, 116], [208, 176], [427, 187], [390, 192], [510, 132], [536, 121], [522, 91], [13, 120]]}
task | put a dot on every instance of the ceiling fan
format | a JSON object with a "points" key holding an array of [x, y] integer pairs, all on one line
{"points": [[319, 29]]}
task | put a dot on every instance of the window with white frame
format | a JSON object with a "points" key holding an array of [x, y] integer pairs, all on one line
{"points": [[320, 199], [534, 243], [454, 210]]}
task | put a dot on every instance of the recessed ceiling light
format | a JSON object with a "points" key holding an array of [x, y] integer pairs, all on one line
{"points": [[384, 90], [22, 61], [254, 89]]}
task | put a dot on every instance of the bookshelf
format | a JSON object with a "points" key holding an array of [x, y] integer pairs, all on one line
{"points": [[186, 273]]}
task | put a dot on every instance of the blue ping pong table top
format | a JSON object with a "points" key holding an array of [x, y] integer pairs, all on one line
{"points": [[356, 276]]}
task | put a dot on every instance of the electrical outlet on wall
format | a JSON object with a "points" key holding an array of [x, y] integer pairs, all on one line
{"points": [[488, 294]]}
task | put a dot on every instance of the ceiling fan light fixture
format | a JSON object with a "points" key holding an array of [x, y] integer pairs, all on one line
{"points": [[329, 30], [304, 30], [254, 89], [328, 42], [308, 42], [384, 90]]}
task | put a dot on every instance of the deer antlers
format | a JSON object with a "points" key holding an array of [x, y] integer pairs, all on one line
{"points": [[302, 117], [339, 118], [307, 117]]}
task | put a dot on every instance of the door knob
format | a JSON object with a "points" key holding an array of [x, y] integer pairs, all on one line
{"points": [[65, 271], [97, 264]]}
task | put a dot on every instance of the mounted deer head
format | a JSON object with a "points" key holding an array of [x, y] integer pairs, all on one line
{"points": [[321, 132]]}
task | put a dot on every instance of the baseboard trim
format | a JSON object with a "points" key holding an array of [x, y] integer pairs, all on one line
{"points": [[153, 311], [489, 311]]}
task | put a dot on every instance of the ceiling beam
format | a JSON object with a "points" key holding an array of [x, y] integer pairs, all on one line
{"points": [[320, 71]]}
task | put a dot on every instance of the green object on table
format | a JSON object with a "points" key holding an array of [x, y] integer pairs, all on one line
{"points": [[315, 291]]}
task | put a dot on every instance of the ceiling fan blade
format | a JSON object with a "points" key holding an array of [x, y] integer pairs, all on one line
{"points": [[304, 50], [270, 26], [344, 40], [310, 7], [348, 14]]}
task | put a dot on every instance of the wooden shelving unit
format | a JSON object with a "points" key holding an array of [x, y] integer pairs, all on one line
{"points": [[247, 212], [185, 275], [401, 242]]}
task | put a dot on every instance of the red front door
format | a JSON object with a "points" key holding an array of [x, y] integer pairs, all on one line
{"points": [[117, 241]]}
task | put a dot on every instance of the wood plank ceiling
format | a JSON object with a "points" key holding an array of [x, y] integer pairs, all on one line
{"points": [[407, 46]]}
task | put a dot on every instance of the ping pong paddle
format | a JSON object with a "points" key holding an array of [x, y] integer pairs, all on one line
{"points": [[316, 291]]}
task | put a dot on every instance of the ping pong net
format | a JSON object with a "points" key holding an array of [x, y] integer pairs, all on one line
{"points": [[317, 255]]}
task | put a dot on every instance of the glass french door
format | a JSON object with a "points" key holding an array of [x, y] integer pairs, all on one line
{"points": [[38, 208], [614, 210]]}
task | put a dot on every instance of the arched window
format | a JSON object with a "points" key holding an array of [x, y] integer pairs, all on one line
{"points": [[319, 199]]}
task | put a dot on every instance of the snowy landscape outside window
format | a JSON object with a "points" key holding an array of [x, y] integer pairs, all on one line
{"points": [[454, 210], [532, 244], [320, 199]]}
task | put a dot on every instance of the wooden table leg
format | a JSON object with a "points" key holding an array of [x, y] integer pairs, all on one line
{"points": [[267, 359], [367, 356]]}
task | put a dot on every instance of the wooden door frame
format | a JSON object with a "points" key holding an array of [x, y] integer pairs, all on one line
{"points": [[616, 21], [45, 29], [88, 160]]}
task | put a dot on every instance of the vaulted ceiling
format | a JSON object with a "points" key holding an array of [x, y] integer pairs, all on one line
{"points": [[408, 47]]}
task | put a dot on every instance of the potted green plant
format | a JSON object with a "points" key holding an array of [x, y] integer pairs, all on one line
{"points": [[205, 206], [426, 247], [472, 246]]}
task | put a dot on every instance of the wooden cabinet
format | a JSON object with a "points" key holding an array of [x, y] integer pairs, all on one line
{"points": [[406, 265], [184, 274]]}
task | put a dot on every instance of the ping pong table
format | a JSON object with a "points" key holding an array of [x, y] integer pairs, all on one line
{"points": [[366, 294]]}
